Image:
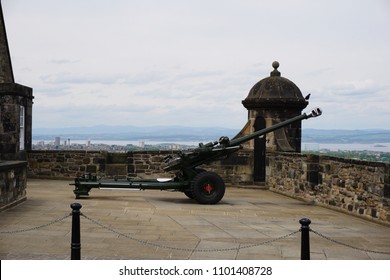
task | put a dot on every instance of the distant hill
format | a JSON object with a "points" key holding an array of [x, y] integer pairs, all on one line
{"points": [[201, 134], [346, 136], [157, 133]]}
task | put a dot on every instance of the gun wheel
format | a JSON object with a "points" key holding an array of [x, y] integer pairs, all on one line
{"points": [[208, 188], [189, 194]]}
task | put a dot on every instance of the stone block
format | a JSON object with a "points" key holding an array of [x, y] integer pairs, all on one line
{"points": [[116, 169], [91, 169]]}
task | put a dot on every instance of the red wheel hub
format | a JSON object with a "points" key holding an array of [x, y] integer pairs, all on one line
{"points": [[208, 188]]}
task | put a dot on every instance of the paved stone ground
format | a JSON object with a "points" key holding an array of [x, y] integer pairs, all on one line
{"points": [[118, 224]]}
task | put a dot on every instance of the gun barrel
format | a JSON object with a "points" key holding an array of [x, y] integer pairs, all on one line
{"points": [[314, 113]]}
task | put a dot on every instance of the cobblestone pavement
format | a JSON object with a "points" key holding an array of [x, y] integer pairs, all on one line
{"points": [[247, 224]]}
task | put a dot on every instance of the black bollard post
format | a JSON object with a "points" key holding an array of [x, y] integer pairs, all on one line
{"points": [[305, 241], [75, 245]]}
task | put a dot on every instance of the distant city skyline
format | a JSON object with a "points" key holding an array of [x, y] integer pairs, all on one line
{"points": [[150, 63], [95, 144]]}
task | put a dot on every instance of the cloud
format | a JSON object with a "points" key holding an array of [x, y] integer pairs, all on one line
{"points": [[193, 62], [352, 105], [63, 61]]}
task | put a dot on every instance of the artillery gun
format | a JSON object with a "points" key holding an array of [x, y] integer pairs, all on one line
{"points": [[205, 187]]}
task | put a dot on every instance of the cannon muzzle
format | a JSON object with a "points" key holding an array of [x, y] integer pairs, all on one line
{"points": [[315, 113]]}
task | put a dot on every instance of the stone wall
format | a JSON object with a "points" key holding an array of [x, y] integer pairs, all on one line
{"points": [[63, 164], [14, 98], [12, 183], [70, 164], [237, 169], [358, 187]]}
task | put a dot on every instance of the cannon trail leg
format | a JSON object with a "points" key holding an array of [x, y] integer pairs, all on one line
{"points": [[81, 191]]}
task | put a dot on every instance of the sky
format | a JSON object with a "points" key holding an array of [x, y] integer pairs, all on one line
{"points": [[191, 63]]}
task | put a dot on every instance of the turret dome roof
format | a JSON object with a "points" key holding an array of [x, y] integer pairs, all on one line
{"points": [[275, 91]]}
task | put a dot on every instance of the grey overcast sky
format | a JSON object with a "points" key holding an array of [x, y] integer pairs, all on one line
{"points": [[177, 62]]}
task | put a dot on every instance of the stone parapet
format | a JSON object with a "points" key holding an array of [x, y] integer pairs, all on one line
{"points": [[148, 164], [70, 164], [237, 169], [65, 164], [12, 183], [354, 186]]}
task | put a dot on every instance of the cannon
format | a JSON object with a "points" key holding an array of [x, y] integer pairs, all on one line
{"points": [[205, 187]]}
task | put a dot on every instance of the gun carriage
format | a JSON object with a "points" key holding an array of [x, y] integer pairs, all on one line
{"points": [[205, 187]]}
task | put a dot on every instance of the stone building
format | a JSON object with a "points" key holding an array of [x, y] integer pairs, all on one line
{"points": [[15, 127], [272, 100]]}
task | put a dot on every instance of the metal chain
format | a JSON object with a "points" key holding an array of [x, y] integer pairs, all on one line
{"points": [[347, 245], [37, 227], [271, 240], [145, 242]]}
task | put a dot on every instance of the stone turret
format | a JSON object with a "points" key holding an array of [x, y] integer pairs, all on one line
{"points": [[275, 99]]}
